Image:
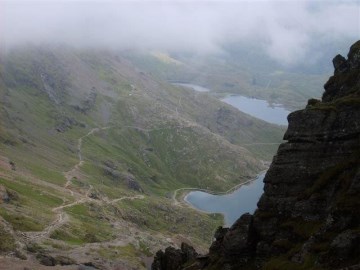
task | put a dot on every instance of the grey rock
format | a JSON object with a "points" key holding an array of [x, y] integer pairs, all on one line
{"points": [[340, 63], [46, 260], [4, 196]]}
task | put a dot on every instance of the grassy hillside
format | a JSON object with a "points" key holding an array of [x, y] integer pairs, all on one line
{"points": [[92, 149]]}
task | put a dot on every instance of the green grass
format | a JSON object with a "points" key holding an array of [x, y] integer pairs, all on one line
{"points": [[128, 253], [161, 216], [21, 222], [207, 155], [7, 242], [35, 194], [32, 210], [86, 226]]}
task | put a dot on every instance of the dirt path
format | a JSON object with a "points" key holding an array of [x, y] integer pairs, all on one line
{"points": [[140, 197], [61, 216], [69, 175]]}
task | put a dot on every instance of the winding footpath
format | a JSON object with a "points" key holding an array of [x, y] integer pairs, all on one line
{"points": [[61, 216], [79, 198]]}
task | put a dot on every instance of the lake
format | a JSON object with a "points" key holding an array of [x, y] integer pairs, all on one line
{"points": [[231, 205], [258, 108], [195, 87]]}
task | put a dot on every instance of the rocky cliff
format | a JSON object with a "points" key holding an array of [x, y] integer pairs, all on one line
{"points": [[309, 214]]}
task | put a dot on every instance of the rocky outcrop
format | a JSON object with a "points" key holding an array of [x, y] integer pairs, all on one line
{"points": [[4, 196], [65, 123], [110, 169], [309, 214], [174, 259], [88, 103]]}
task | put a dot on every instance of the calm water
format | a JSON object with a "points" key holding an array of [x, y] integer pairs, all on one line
{"points": [[259, 108], [231, 205], [255, 107], [193, 86]]}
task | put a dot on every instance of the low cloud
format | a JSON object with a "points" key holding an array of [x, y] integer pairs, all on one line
{"points": [[286, 30]]}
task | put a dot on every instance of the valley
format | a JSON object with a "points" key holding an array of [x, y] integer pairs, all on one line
{"points": [[93, 151], [179, 135], [238, 70]]}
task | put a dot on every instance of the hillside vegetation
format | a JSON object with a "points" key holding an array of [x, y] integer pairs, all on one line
{"points": [[92, 149]]}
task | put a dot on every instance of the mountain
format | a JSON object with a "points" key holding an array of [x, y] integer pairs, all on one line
{"points": [[92, 149], [308, 216], [241, 68]]}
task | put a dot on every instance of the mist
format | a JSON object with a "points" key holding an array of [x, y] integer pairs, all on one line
{"points": [[285, 30]]}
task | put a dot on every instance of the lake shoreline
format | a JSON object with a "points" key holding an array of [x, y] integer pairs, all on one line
{"points": [[186, 191], [262, 109]]}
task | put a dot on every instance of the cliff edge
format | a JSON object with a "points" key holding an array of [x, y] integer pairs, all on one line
{"points": [[309, 214]]}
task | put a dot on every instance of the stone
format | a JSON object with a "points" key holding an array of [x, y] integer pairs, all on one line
{"points": [[340, 63], [346, 244], [240, 239], [46, 260], [188, 252], [4, 196]]}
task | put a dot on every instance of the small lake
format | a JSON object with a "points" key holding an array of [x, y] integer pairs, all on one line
{"points": [[258, 108], [192, 86], [231, 205]]}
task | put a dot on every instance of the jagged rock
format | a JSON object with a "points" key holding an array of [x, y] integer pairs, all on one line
{"points": [[348, 80], [173, 259], [240, 239], [46, 260], [219, 236], [188, 252], [110, 164], [12, 165], [88, 103], [170, 260], [132, 184], [340, 63], [49, 260], [345, 245], [127, 178], [65, 123], [94, 195], [89, 266]]}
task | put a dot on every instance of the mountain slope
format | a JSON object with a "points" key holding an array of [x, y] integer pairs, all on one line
{"points": [[92, 149], [241, 69], [308, 216]]}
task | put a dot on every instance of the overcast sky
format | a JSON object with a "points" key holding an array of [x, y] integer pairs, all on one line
{"points": [[285, 29]]}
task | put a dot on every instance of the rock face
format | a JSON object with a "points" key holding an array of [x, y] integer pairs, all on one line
{"points": [[309, 214], [174, 259]]}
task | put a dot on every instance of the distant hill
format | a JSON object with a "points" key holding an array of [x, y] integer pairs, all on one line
{"points": [[246, 69]]}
